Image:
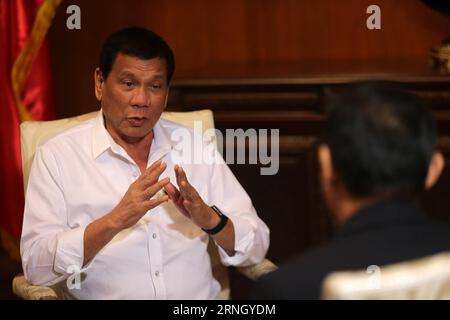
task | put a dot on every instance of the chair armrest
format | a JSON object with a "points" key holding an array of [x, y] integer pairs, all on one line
{"points": [[255, 271], [26, 291]]}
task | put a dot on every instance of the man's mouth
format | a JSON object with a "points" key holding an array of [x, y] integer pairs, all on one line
{"points": [[136, 121]]}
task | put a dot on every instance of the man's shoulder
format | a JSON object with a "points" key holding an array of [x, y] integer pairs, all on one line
{"points": [[436, 233], [169, 126], [72, 135], [299, 277]]}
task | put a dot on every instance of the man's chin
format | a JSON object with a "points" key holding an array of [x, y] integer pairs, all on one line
{"points": [[136, 133]]}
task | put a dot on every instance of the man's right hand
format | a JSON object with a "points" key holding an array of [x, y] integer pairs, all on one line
{"points": [[137, 200], [134, 204]]}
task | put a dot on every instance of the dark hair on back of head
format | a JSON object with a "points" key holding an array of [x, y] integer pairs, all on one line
{"points": [[381, 139], [137, 42]]}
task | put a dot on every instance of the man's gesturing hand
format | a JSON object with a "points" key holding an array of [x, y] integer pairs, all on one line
{"points": [[137, 200], [189, 202]]}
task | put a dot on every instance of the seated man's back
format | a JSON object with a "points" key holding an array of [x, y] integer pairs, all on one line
{"points": [[379, 235], [379, 155]]}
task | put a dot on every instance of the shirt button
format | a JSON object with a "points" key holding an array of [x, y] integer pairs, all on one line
{"points": [[154, 236], [157, 273]]}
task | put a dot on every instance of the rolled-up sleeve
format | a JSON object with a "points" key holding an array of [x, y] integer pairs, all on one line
{"points": [[50, 250], [251, 233]]}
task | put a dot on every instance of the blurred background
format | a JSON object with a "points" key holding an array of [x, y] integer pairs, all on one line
{"points": [[210, 37], [268, 64]]}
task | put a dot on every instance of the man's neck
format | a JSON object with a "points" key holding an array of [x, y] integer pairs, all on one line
{"points": [[350, 206], [137, 148]]}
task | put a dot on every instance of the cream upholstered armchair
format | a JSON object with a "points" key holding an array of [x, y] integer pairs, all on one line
{"points": [[426, 278], [33, 133]]}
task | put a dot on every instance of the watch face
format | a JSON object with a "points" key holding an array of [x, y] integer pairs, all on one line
{"points": [[217, 210], [220, 225]]}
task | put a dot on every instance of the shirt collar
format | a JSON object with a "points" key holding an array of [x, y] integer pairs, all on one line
{"points": [[102, 140], [162, 144], [100, 137]]}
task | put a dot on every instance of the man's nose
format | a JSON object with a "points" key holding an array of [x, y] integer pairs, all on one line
{"points": [[140, 98]]}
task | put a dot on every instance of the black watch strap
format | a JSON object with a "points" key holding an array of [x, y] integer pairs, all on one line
{"points": [[220, 225]]}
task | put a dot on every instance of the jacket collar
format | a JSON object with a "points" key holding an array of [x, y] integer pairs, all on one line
{"points": [[382, 214]]}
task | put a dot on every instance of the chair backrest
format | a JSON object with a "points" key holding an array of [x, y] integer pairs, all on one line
{"points": [[34, 133], [422, 279]]}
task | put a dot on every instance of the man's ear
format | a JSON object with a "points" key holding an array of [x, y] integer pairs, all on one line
{"points": [[167, 97], [99, 81], [435, 169], [326, 163]]}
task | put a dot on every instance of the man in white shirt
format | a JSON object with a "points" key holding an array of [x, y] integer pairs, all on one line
{"points": [[94, 205]]}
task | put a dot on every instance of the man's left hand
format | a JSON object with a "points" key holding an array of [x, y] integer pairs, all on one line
{"points": [[189, 202]]}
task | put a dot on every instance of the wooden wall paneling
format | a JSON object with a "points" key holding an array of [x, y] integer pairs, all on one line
{"points": [[208, 34]]}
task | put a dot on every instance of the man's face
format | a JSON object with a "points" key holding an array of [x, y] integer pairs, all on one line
{"points": [[133, 96]]}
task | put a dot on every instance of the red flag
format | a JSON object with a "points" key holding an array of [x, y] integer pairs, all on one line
{"points": [[26, 94]]}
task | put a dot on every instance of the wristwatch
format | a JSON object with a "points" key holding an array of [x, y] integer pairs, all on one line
{"points": [[220, 225]]}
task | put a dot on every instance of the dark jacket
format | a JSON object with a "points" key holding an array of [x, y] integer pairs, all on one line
{"points": [[380, 234]]}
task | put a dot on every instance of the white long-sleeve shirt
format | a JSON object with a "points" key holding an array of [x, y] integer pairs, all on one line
{"points": [[82, 174]]}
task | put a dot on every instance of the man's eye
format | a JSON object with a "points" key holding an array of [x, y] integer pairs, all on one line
{"points": [[156, 86], [128, 84]]}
